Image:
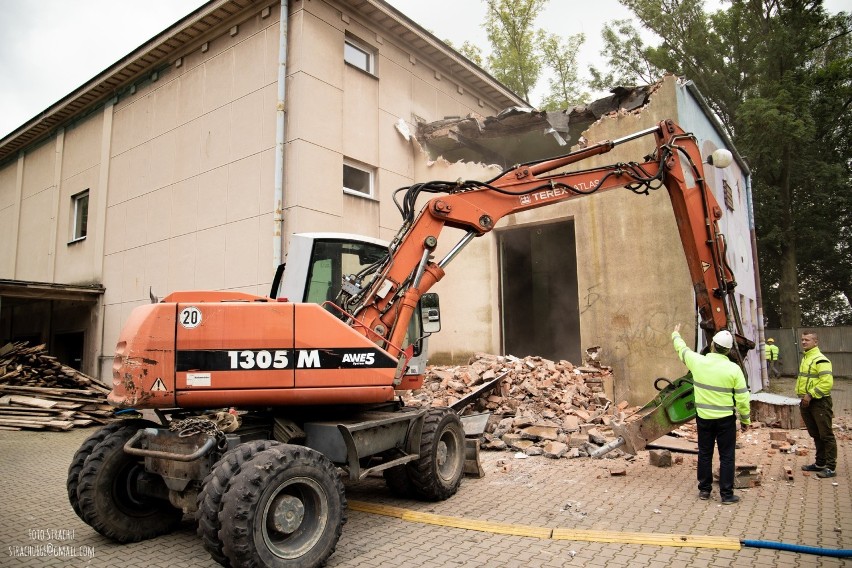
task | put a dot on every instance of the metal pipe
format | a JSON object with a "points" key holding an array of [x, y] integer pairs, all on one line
{"points": [[421, 268], [457, 249], [280, 139], [606, 448], [635, 135]]}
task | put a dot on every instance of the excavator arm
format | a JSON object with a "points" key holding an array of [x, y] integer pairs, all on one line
{"points": [[383, 305]]}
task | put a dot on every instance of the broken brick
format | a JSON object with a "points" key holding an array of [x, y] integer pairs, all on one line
{"points": [[660, 458]]}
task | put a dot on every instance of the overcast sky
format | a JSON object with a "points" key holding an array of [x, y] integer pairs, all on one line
{"points": [[48, 48]]}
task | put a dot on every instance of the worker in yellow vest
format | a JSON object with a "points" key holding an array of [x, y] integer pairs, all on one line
{"points": [[771, 358], [813, 387], [720, 394]]}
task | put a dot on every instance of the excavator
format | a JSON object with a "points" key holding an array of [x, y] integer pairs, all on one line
{"points": [[245, 409]]}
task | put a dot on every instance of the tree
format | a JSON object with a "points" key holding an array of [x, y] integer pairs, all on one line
{"points": [[566, 88], [777, 74], [514, 60], [625, 56], [472, 52]]}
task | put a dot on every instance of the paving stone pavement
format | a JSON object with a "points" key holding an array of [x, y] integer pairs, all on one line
{"points": [[36, 519]]}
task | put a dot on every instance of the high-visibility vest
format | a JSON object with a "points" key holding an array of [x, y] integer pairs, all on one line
{"points": [[720, 386], [815, 375], [771, 352]]}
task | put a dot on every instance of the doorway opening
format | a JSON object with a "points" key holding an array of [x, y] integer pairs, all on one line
{"points": [[539, 300]]}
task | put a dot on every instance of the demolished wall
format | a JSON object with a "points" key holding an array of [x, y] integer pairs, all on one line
{"points": [[632, 276]]}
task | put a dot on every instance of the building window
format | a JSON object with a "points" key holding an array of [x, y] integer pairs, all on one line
{"points": [[729, 195], [358, 55], [80, 209], [357, 179]]}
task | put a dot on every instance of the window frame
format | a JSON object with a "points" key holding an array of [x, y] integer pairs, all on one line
{"points": [[360, 47], [77, 233], [371, 178]]}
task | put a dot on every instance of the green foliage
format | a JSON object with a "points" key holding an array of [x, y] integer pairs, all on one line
{"points": [[566, 89], [626, 58], [778, 76], [472, 52], [514, 60]]}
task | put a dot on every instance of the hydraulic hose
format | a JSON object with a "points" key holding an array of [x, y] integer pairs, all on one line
{"points": [[841, 553]]}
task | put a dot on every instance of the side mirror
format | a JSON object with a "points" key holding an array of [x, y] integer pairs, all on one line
{"points": [[430, 313]]}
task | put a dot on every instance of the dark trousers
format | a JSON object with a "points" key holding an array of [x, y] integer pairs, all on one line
{"points": [[771, 370], [817, 417], [720, 432]]}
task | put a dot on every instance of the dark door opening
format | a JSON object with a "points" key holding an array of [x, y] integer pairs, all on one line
{"points": [[68, 348], [539, 299]]}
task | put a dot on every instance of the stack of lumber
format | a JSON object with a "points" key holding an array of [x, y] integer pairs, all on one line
{"points": [[37, 392]]}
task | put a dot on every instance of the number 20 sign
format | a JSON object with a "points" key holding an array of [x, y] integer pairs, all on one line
{"points": [[190, 317]]}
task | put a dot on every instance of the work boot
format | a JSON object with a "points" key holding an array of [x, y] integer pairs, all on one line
{"points": [[826, 473], [730, 500], [703, 495], [813, 467]]}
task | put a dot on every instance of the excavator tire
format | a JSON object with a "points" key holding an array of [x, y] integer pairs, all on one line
{"points": [[285, 507], [108, 499], [86, 448], [437, 474], [215, 485]]}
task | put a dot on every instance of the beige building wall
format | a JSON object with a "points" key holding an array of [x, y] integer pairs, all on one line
{"points": [[339, 112], [191, 176]]}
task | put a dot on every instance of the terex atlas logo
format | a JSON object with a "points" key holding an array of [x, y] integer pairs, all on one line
{"points": [[525, 200], [359, 358]]}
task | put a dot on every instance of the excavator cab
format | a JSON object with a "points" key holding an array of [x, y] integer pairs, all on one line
{"points": [[316, 266]]}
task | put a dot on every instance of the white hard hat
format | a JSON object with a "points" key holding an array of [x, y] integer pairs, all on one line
{"points": [[724, 339]]}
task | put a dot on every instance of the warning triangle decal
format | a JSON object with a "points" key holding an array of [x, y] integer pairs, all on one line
{"points": [[704, 266], [159, 385]]}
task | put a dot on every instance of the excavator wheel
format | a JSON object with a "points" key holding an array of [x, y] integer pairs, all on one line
{"points": [[108, 497], [86, 448], [437, 474], [215, 485], [285, 507]]}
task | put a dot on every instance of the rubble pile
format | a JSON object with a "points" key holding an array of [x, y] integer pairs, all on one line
{"points": [[538, 406], [38, 392]]}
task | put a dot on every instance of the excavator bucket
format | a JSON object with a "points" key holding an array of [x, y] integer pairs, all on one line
{"points": [[474, 426], [674, 405]]}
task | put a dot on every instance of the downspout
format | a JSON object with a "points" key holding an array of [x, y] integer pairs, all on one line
{"points": [[280, 139], [761, 333]]}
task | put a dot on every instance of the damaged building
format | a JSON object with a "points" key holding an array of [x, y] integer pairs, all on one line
{"points": [[189, 162], [606, 269]]}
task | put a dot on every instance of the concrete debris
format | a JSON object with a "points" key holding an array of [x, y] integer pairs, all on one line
{"points": [[660, 458], [539, 407], [520, 134]]}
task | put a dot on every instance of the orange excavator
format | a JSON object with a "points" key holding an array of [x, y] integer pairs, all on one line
{"points": [[258, 400]]}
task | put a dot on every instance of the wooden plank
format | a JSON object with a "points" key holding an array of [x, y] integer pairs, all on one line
{"points": [[86, 416], [22, 411], [31, 401], [22, 423], [674, 444], [47, 390], [67, 405]]}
